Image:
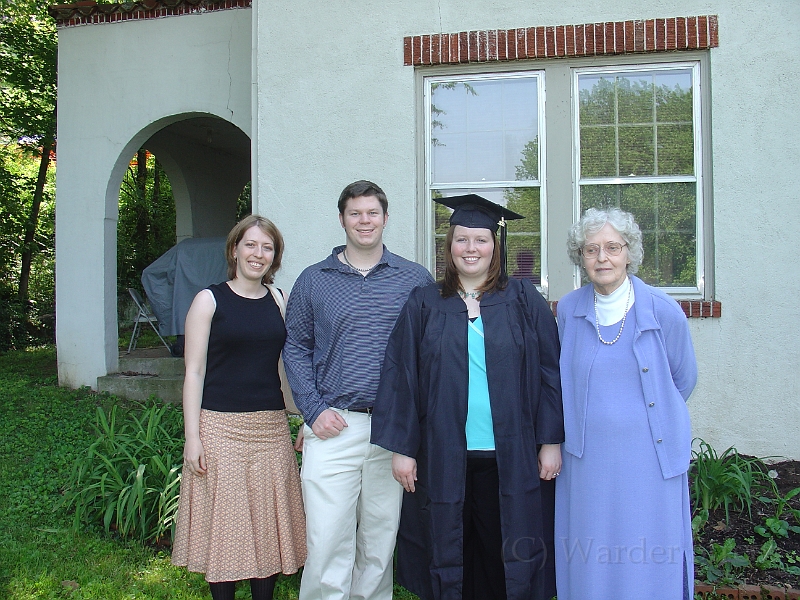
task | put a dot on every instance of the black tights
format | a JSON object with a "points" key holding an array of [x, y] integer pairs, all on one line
{"points": [[261, 589]]}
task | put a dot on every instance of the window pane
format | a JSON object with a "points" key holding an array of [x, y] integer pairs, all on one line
{"points": [[524, 235], [482, 130], [636, 154], [597, 99], [645, 120], [666, 213], [674, 96], [676, 149], [598, 152], [635, 99]]}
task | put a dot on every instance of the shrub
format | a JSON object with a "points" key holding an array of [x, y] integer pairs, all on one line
{"points": [[13, 332], [129, 477]]}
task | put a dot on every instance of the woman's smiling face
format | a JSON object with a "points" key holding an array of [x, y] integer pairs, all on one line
{"points": [[472, 251]]}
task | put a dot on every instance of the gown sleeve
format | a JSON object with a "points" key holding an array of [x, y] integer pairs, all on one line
{"points": [[550, 415], [395, 418]]}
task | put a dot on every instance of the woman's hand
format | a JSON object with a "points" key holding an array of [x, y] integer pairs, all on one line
{"points": [[298, 443], [194, 457], [549, 461], [404, 470]]}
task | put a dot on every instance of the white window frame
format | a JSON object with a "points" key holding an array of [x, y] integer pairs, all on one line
{"points": [[559, 187], [697, 131], [428, 245]]}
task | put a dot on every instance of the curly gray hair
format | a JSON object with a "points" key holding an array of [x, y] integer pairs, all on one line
{"points": [[593, 220]]}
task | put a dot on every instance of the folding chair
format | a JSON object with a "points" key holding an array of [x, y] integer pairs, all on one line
{"points": [[144, 316]]}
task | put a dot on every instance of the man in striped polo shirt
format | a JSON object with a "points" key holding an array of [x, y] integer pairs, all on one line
{"points": [[340, 314]]}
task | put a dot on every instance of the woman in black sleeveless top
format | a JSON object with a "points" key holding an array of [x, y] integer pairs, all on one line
{"points": [[241, 510]]}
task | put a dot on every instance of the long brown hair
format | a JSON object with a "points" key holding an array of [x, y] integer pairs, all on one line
{"points": [[237, 233], [451, 282]]}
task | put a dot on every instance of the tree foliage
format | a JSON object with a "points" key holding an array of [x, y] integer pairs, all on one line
{"points": [[146, 226], [27, 133]]}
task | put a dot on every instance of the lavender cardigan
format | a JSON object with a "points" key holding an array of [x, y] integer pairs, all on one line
{"points": [[667, 367]]}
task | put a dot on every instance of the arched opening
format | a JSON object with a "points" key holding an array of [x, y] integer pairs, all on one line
{"points": [[184, 189]]}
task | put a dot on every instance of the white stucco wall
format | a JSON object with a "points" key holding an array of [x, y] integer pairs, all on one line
{"points": [[119, 84], [335, 104]]}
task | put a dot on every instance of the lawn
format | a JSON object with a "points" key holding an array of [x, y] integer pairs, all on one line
{"points": [[43, 429]]}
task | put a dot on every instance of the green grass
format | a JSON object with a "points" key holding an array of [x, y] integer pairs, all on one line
{"points": [[146, 339], [43, 429]]}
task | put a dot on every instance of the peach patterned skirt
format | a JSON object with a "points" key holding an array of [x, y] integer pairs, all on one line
{"points": [[244, 518]]}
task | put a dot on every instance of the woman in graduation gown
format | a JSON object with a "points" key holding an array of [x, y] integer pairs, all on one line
{"points": [[470, 405]]}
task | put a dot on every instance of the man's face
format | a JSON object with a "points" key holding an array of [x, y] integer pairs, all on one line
{"points": [[363, 221]]}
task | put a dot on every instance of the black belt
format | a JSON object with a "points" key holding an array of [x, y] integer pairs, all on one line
{"points": [[367, 410]]}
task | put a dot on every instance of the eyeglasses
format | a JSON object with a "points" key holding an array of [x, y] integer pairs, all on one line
{"points": [[593, 250]]}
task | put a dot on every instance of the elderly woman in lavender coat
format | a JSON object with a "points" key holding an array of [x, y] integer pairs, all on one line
{"points": [[623, 526]]}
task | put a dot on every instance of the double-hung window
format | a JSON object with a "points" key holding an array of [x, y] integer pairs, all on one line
{"points": [[623, 133], [638, 146], [485, 135]]}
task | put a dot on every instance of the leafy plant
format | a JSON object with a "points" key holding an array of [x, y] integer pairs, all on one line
{"points": [[726, 480], [782, 504], [776, 524], [769, 557], [776, 527], [699, 521], [129, 477], [722, 565]]}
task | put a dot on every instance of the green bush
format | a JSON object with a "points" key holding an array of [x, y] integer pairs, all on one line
{"points": [[129, 477], [22, 324], [13, 333]]}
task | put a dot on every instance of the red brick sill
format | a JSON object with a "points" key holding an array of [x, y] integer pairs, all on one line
{"points": [[691, 308]]}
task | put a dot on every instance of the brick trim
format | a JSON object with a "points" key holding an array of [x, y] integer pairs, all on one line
{"points": [[89, 12], [691, 308], [561, 41], [698, 308]]}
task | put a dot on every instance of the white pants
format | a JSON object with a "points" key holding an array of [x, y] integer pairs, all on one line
{"points": [[352, 514]]}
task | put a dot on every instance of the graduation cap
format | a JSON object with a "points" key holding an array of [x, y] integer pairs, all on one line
{"points": [[476, 212]]}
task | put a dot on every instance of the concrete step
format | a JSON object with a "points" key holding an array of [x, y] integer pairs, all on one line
{"points": [[163, 366], [140, 387]]}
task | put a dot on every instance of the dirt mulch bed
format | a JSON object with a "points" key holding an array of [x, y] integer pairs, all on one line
{"points": [[741, 528]]}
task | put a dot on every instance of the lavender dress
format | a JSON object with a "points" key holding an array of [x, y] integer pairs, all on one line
{"points": [[622, 530]]}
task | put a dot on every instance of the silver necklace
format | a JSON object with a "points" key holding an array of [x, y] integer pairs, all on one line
{"points": [[352, 266], [624, 316], [473, 295]]}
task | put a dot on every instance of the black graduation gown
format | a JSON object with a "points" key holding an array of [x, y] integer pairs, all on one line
{"points": [[421, 411]]}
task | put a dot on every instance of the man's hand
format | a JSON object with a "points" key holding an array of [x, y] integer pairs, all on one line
{"points": [[328, 424], [404, 470]]}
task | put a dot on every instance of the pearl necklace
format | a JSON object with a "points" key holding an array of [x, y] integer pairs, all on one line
{"points": [[624, 316], [352, 266], [473, 295]]}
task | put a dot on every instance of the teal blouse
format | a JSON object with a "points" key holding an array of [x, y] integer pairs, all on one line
{"points": [[480, 431]]}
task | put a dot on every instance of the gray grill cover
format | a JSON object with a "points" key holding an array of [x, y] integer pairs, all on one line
{"points": [[174, 278]]}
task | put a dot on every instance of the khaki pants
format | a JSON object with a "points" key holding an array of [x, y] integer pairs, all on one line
{"points": [[352, 514]]}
